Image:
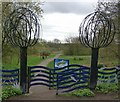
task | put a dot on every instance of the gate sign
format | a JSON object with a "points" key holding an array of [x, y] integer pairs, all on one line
{"points": [[58, 63]]}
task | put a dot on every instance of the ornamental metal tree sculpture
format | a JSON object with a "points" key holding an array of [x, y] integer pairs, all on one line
{"points": [[22, 28], [96, 31]]}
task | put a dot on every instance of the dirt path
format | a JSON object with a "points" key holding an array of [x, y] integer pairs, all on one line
{"points": [[43, 92], [45, 62]]}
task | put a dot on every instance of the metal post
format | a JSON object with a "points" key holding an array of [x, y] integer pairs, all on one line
{"points": [[29, 79], [57, 85], [23, 69], [94, 69], [50, 79]]}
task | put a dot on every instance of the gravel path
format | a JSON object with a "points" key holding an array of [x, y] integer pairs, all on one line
{"points": [[43, 92]]}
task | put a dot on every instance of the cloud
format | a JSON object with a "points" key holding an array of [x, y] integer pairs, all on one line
{"points": [[62, 19], [60, 25], [69, 7]]}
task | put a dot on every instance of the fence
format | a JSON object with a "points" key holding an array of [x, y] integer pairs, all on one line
{"points": [[76, 77], [65, 79], [10, 77], [40, 75], [109, 75], [69, 78]]}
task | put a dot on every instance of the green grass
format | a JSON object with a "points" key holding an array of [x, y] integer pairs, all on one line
{"points": [[32, 60], [82, 60], [86, 60]]}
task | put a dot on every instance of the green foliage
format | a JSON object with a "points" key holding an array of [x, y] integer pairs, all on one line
{"points": [[8, 52], [106, 88], [100, 65], [109, 56], [81, 93], [45, 53], [75, 49], [9, 91]]}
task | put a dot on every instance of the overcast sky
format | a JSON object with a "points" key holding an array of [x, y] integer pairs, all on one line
{"points": [[62, 19]]}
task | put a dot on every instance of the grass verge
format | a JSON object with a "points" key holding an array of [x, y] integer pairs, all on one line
{"points": [[31, 61]]}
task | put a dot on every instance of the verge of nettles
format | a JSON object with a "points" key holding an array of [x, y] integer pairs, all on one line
{"points": [[8, 91], [107, 87]]}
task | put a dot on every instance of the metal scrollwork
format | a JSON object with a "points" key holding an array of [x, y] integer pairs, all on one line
{"points": [[96, 30], [22, 27]]}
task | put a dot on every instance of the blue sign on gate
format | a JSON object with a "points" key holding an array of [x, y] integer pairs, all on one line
{"points": [[58, 63]]}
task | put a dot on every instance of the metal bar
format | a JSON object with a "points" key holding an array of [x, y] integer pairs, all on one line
{"points": [[50, 79], [23, 69], [29, 79], [57, 85], [94, 69]]}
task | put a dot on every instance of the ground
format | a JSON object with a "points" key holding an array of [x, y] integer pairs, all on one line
{"points": [[43, 92]]}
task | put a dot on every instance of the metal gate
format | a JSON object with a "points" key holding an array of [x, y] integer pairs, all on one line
{"points": [[63, 79]]}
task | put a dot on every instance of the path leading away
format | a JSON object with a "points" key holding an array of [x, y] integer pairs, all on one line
{"points": [[43, 93], [45, 62]]}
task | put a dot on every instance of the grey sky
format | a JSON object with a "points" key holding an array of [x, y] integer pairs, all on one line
{"points": [[68, 7], [62, 19]]}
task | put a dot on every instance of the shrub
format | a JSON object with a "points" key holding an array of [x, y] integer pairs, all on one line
{"points": [[44, 53], [9, 91], [106, 88], [83, 92], [100, 65]]}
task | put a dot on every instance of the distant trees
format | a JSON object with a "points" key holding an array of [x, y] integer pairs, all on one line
{"points": [[74, 47], [44, 53], [55, 44], [56, 41], [112, 9]]}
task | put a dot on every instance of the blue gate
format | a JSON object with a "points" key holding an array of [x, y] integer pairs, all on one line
{"points": [[40, 75], [76, 77], [10, 77], [63, 79]]}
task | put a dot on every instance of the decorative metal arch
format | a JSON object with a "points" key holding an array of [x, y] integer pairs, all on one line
{"points": [[22, 27], [96, 30]]}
